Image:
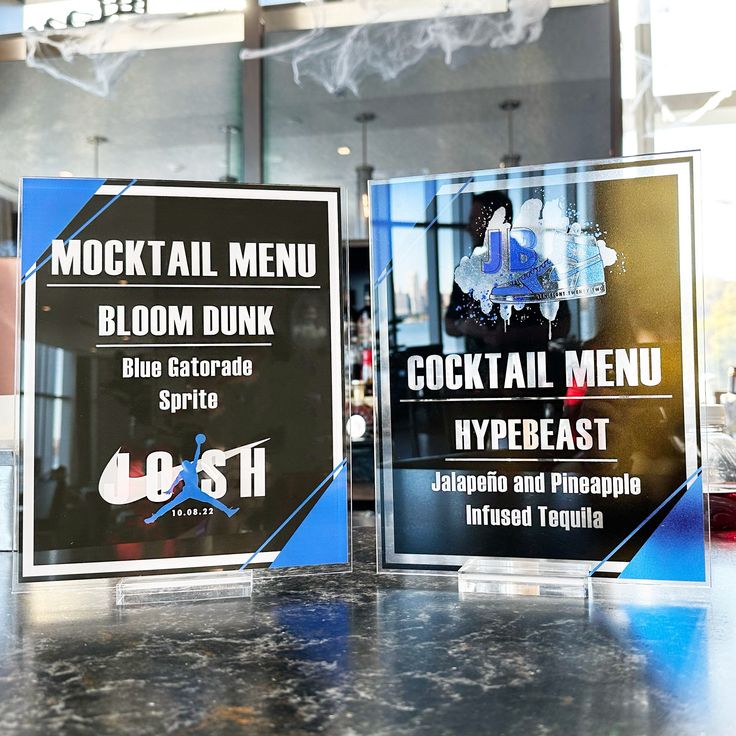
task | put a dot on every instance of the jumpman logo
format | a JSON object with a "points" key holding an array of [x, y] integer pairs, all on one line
{"points": [[191, 490]]}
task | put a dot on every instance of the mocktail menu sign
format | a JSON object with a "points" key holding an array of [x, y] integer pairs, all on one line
{"points": [[538, 368], [182, 378]]}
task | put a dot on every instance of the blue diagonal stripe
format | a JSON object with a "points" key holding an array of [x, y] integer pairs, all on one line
{"points": [[79, 230], [387, 270], [327, 478], [654, 513]]}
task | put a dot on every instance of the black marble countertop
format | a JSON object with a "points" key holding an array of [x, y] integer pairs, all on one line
{"points": [[364, 654]]}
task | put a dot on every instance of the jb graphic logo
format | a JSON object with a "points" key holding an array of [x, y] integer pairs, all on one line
{"points": [[544, 259], [523, 276]]}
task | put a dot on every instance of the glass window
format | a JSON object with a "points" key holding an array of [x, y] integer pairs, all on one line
{"points": [[435, 117], [412, 207], [164, 119], [671, 104], [411, 297], [449, 251], [55, 391]]}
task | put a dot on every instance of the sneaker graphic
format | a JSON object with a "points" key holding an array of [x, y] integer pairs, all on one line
{"points": [[580, 274], [543, 259]]}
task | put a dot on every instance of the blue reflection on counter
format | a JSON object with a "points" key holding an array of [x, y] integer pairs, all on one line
{"points": [[674, 642]]}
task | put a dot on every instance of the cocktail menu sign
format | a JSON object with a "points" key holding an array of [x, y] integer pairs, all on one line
{"points": [[182, 378], [539, 368]]}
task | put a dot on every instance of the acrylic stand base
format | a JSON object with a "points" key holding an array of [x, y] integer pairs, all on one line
{"points": [[480, 576], [144, 590]]}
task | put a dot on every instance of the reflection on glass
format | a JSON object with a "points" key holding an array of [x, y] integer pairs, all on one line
{"points": [[483, 314], [410, 280], [671, 105]]}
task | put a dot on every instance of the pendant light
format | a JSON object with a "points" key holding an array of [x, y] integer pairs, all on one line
{"points": [[96, 141], [511, 158], [364, 173]]}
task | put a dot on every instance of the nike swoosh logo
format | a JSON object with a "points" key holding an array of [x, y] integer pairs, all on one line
{"points": [[136, 488]]}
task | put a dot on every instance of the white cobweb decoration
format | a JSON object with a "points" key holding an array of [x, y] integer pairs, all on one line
{"points": [[340, 59], [92, 57]]}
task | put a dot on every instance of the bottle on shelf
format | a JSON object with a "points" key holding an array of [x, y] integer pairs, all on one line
{"points": [[729, 402], [356, 358], [367, 370], [720, 471], [365, 343], [365, 327]]}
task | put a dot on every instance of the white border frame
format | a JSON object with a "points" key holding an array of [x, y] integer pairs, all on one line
{"points": [[116, 568], [516, 178]]}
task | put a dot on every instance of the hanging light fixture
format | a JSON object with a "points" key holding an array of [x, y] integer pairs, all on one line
{"points": [[364, 174], [230, 132], [511, 158], [96, 141]]}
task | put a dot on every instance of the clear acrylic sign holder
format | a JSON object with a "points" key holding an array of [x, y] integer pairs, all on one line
{"points": [[523, 262], [141, 590], [324, 547], [489, 576]]}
